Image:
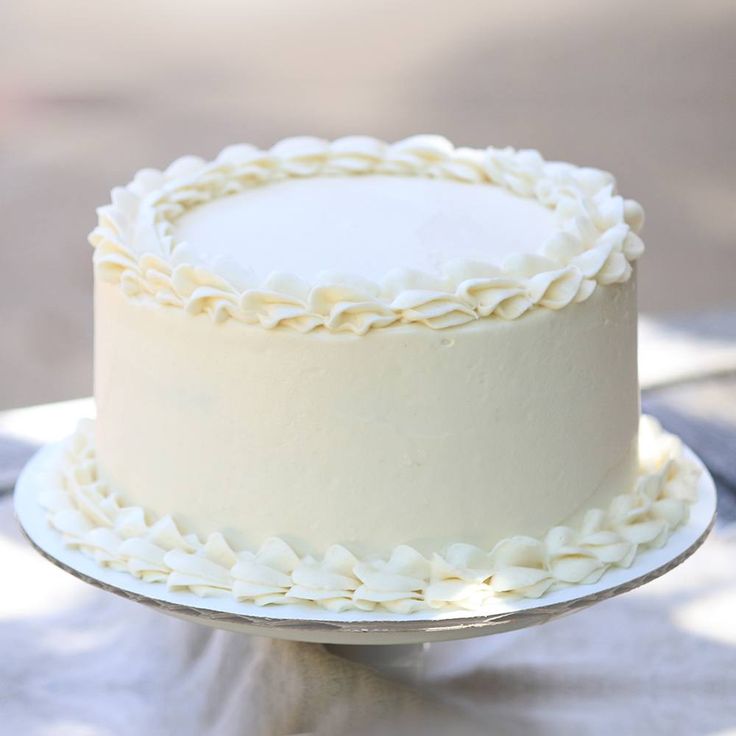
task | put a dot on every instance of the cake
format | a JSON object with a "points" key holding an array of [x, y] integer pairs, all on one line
{"points": [[359, 375]]}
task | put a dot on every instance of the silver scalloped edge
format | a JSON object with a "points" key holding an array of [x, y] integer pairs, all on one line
{"points": [[595, 243]]}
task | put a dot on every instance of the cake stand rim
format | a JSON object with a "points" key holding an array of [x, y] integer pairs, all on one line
{"points": [[342, 628]]}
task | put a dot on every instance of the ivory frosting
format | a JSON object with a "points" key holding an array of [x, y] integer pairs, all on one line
{"points": [[472, 433], [594, 241], [368, 226], [94, 518], [346, 454]]}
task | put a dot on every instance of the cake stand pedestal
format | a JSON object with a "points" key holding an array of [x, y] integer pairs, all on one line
{"points": [[355, 634]]}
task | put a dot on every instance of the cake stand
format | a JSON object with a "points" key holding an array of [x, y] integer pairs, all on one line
{"points": [[354, 634]]}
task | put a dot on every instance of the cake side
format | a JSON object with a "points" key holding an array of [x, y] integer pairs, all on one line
{"points": [[404, 435]]}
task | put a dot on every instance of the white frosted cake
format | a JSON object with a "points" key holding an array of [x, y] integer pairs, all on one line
{"points": [[363, 375]]}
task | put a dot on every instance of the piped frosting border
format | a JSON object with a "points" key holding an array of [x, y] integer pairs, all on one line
{"points": [[595, 243], [94, 518]]}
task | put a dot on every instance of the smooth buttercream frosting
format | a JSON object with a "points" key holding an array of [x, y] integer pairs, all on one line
{"points": [[95, 518], [404, 434], [363, 225], [402, 469], [535, 234]]}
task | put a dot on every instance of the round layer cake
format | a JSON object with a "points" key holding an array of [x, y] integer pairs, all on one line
{"points": [[346, 372]]}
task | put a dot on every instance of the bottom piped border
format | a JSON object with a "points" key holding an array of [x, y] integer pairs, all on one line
{"points": [[94, 519]]}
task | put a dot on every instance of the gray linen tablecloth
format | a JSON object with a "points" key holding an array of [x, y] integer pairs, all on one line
{"points": [[75, 661]]}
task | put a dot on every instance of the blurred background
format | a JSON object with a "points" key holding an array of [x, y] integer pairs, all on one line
{"points": [[91, 92]]}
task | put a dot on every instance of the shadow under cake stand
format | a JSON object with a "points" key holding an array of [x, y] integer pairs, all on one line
{"points": [[354, 634]]}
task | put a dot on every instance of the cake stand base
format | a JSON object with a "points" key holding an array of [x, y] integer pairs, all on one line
{"points": [[399, 661]]}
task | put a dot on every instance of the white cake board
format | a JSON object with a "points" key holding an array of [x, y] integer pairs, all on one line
{"points": [[311, 624]]}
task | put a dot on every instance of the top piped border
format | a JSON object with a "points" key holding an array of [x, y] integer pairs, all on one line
{"points": [[595, 242]]}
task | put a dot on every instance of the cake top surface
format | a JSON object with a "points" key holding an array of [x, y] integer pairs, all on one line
{"points": [[364, 226], [356, 234]]}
